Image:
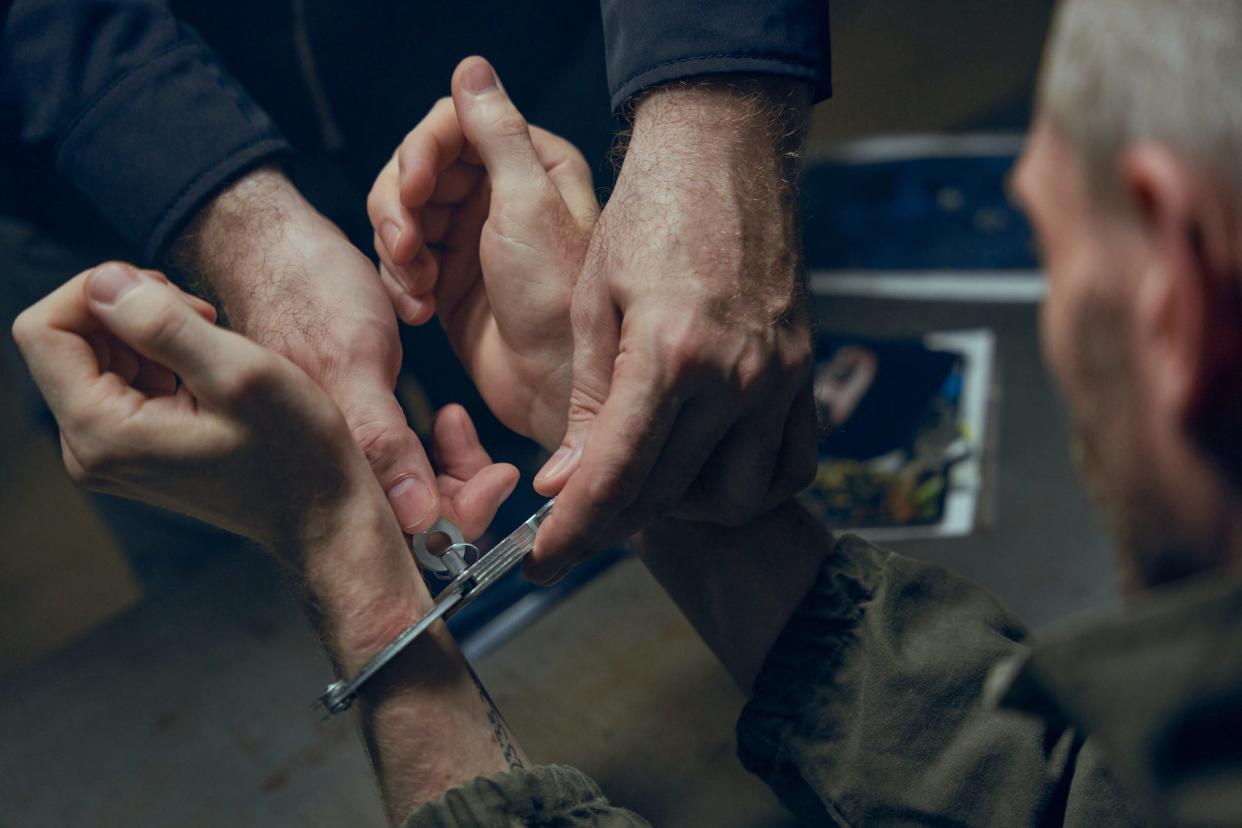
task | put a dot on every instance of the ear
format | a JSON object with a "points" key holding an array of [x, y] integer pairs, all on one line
{"points": [[1188, 315]]}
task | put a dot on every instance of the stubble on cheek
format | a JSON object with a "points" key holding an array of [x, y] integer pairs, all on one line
{"points": [[1098, 386], [1107, 446]]}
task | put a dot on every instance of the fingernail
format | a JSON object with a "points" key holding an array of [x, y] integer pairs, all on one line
{"points": [[110, 281], [412, 502], [479, 77], [557, 463], [391, 234]]}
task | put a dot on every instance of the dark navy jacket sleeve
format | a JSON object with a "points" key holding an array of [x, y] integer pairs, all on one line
{"points": [[136, 111], [651, 42]]}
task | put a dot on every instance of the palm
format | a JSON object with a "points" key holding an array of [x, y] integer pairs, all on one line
{"points": [[488, 225], [504, 303]]}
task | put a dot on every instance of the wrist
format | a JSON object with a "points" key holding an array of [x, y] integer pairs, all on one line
{"points": [[364, 589], [720, 156], [708, 190], [232, 242], [704, 121], [362, 585]]}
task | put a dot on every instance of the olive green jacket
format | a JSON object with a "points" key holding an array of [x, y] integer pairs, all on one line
{"points": [[901, 694]]}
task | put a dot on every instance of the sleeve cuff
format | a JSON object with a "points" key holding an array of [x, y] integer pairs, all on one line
{"points": [[688, 67], [799, 680], [161, 139], [541, 795]]}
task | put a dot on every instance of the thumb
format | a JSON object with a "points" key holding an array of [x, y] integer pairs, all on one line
{"points": [[150, 316], [493, 125], [596, 328], [566, 459]]}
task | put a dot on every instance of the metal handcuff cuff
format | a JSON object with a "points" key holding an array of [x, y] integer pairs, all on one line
{"points": [[468, 574]]}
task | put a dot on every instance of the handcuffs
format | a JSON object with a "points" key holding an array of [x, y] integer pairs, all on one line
{"points": [[468, 574]]}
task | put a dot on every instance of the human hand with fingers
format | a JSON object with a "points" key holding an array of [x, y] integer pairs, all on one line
{"points": [[484, 220], [690, 335], [288, 279], [156, 403], [692, 347]]}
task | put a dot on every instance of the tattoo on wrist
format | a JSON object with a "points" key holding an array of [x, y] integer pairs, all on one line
{"points": [[500, 730]]}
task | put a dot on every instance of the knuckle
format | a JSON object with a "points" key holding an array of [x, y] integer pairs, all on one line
{"points": [[164, 327], [254, 379], [79, 475], [800, 353], [91, 463], [683, 352], [750, 367], [584, 406], [24, 327], [77, 469], [79, 421], [443, 103], [376, 441], [798, 360], [375, 203], [403, 161], [407, 153], [509, 123], [750, 373]]}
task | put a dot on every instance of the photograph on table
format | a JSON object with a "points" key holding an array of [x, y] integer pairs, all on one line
{"points": [[903, 433]]}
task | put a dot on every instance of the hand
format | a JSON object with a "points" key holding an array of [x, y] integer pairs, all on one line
{"points": [[486, 220], [691, 379], [246, 442], [288, 279]]}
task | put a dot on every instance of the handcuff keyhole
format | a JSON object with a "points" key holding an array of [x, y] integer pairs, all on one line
{"points": [[438, 543]]}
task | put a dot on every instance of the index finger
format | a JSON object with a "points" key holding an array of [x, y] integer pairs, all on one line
{"points": [[570, 173], [51, 335], [625, 440], [427, 151], [472, 487]]}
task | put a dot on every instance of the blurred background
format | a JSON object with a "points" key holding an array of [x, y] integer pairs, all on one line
{"points": [[155, 672]]}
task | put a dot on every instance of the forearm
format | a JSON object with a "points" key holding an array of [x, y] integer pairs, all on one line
{"points": [[739, 587], [430, 726], [428, 723]]}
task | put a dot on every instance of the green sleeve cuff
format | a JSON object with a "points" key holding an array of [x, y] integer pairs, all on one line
{"points": [[541, 795]]}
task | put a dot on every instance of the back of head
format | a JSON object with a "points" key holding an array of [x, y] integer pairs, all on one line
{"points": [[1133, 178], [1121, 71]]}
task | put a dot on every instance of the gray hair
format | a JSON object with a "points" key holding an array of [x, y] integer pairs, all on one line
{"points": [[1121, 71]]}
